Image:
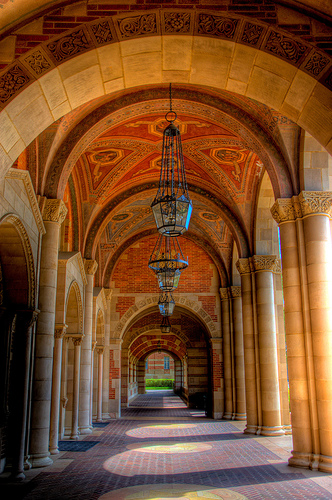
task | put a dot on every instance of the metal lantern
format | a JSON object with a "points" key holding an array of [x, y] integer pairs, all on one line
{"points": [[172, 206], [165, 326], [166, 304], [167, 261]]}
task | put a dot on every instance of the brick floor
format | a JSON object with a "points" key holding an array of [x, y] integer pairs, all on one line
{"points": [[159, 449]]}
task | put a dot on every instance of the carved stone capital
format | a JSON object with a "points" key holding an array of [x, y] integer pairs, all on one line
{"points": [[316, 202], [108, 293], [100, 349], [53, 210], [244, 266], [77, 340], [224, 293], [283, 210], [93, 345], [90, 266], [25, 318], [60, 330], [235, 291], [264, 262]]}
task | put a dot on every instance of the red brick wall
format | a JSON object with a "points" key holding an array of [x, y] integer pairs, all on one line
{"points": [[209, 305], [123, 304], [132, 274]]}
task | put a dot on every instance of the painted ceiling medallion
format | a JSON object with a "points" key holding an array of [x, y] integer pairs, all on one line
{"points": [[210, 216], [121, 217]]}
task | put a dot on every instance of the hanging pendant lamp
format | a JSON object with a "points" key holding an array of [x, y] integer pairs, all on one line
{"points": [[172, 206], [167, 261], [165, 326], [166, 304]]}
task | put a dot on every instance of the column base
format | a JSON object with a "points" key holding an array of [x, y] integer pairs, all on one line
{"points": [[299, 459], [272, 431], [227, 416], [75, 437], [240, 416], [40, 460], [287, 429], [250, 429], [325, 464], [217, 415], [17, 476], [54, 451], [86, 430], [114, 414]]}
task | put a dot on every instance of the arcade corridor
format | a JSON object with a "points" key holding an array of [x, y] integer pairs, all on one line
{"points": [[160, 449]]}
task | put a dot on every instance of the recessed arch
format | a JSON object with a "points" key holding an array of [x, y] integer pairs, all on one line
{"points": [[74, 310]]}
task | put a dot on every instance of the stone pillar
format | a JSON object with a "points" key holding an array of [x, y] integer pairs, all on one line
{"points": [[264, 266], [217, 379], [306, 246], [115, 378], [141, 377], [227, 354], [124, 378], [60, 331], [100, 351], [240, 399], [250, 347], [93, 346], [85, 420], [63, 393], [54, 213], [23, 322], [77, 341]]}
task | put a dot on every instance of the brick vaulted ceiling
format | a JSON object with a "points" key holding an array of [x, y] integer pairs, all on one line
{"points": [[103, 158]]}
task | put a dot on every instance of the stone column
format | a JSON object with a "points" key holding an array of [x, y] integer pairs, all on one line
{"points": [[251, 360], [63, 389], [21, 367], [141, 377], [60, 331], [100, 351], [305, 230], [85, 422], [227, 356], [217, 379], [264, 266], [54, 213], [115, 378], [240, 399], [124, 378], [77, 341], [93, 346]]}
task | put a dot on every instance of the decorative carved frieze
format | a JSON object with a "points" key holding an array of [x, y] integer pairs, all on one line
{"points": [[235, 291], [53, 210], [12, 81], [90, 266], [37, 62], [177, 22], [252, 33], [264, 262], [224, 293], [69, 45], [282, 210], [60, 330], [103, 32], [316, 63], [316, 202], [243, 266], [285, 47], [220, 26], [133, 26]]}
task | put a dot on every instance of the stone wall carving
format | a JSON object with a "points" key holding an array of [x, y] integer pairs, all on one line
{"points": [[140, 25], [210, 24], [282, 210], [13, 81], [60, 330], [53, 210], [264, 262], [285, 47], [316, 202], [69, 45], [244, 266], [235, 291], [224, 293], [90, 266]]}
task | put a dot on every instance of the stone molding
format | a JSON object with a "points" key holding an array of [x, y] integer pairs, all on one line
{"points": [[235, 291], [66, 257], [224, 293], [90, 266], [108, 293], [53, 210], [24, 176], [93, 345], [150, 328], [306, 203], [60, 330]]}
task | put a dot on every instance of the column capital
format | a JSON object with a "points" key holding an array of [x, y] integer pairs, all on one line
{"points": [[224, 293], [108, 293], [283, 210], [266, 263], [93, 345], [100, 349], [77, 340], [53, 210], [244, 266], [60, 330], [235, 291], [90, 266], [27, 317], [316, 202]]}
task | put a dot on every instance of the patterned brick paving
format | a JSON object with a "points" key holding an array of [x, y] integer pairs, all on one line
{"points": [[164, 457]]}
